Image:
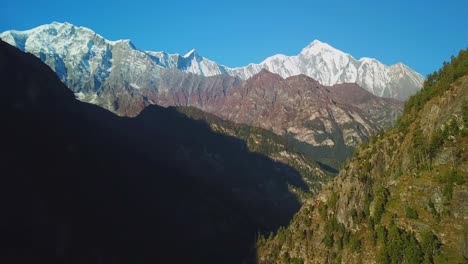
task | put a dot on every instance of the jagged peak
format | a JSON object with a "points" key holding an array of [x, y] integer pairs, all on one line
{"points": [[404, 69], [61, 23], [317, 42], [65, 28], [399, 65], [369, 60], [126, 41], [316, 47], [56, 23], [192, 52]]}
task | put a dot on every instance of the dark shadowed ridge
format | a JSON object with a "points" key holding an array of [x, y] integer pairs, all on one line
{"points": [[81, 185]]}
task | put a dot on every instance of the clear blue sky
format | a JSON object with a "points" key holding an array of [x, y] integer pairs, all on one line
{"points": [[422, 34]]}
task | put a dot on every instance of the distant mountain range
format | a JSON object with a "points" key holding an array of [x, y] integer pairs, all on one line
{"points": [[330, 66], [90, 57], [117, 76]]}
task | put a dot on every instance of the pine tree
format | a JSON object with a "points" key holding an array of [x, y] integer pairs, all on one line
{"points": [[429, 245], [412, 252], [394, 244]]}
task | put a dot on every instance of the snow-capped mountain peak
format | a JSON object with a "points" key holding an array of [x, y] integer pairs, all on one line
{"points": [[81, 58], [331, 66], [190, 62], [317, 47]]}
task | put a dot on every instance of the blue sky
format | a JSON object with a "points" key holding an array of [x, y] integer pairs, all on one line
{"points": [[422, 34]]}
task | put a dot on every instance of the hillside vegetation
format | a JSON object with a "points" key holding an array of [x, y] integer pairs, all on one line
{"points": [[403, 196]]}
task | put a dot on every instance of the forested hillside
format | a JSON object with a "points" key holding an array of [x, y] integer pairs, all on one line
{"points": [[403, 196]]}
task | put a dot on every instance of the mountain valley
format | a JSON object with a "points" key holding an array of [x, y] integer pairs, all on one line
{"points": [[112, 154]]}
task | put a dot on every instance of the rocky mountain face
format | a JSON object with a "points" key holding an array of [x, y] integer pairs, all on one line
{"points": [[328, 121], [80, 184], [333, 119], [84, 61], [174, 88], [191, 62], [401, 198]]}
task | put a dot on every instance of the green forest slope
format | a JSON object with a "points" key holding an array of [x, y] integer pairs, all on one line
{"points": [[402, 198]]}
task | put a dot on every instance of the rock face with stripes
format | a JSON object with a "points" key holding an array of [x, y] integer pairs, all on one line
{"points": [[299, 106]]}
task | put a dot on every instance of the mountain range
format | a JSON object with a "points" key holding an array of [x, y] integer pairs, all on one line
{"points": [[318, 60], [66, 47], [117, 76]]}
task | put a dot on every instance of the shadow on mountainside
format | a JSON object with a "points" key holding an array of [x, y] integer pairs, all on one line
{"points": [[81, 185]]}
